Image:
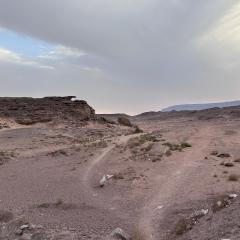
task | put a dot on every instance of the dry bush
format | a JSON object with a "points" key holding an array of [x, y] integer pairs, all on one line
{"points": [[133, 142], [5, 156], [59, 204], [177, 147], [168, 153], [118, 176], [183, 225], [220, 203], [138, 130], [185, 145], [57, 153], [148, 147], [5, 216], [138, 235]]}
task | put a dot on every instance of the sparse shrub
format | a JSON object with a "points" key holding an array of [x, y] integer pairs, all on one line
{"points": [[5, 156], [138, 130], [156, 159], [137, 235], [148, 147], [185, 145], [57, 153], [182, 226], [118, 176], [220, 203], [133, 142], [59, 202], [168, 153], [5, 216], [134, 151], [149, 138], [99, 144], [103, 144], [233, 177], [177, 147]]}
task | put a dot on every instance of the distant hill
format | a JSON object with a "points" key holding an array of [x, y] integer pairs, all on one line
{"points": [[192, 107]]}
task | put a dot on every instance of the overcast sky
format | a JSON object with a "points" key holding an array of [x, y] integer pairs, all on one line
{"points": [[121, 55]]}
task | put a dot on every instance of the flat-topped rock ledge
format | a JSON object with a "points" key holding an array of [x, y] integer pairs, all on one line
{"points": [[26, 110]]}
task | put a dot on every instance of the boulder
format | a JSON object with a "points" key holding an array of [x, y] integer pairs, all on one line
{"points": [[124, 121], [119, 234]]}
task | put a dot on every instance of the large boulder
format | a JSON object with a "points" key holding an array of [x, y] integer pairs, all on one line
{"points": [[124, 121]]}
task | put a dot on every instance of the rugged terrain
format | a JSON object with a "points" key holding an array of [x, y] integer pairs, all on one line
{"points": [[178, 179], [28, 111]]}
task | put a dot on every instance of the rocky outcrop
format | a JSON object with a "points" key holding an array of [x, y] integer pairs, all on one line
{"points": [[34, 110], [124, 121]]}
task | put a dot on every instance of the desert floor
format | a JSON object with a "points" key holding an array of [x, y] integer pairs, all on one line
{"points": [[162, 178]]}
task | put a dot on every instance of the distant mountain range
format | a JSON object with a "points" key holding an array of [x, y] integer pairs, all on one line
{"points": [[190, 107]]}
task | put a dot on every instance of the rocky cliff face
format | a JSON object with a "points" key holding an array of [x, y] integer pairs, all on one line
{"points": [[33, 110]]}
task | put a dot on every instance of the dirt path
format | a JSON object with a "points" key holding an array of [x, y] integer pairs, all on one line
{"points": [[171, 190], [169, 186], [89, 189]]}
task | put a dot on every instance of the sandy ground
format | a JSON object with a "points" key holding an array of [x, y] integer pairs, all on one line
{"points": [[51, 175]]}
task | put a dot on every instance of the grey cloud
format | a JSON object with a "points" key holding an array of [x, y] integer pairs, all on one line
{"points": [[145, 49]]}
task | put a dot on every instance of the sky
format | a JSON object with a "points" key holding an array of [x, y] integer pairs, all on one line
{"points": [[126, 56]]}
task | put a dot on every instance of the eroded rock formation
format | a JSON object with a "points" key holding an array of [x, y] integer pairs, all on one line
{"points": [[33, 110]]}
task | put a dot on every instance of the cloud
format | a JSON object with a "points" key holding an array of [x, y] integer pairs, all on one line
{"points": [[226, 31], [140, 54], [12, 57], [62, 52], [220, 44]]}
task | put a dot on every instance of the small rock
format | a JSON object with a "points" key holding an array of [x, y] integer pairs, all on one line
{"points": [[118, 233], [232, 195], [124, 121], [104, 179], [5, 216], [228, 164], [25, 226], [200, 213], [224, 155], [214, 153]]}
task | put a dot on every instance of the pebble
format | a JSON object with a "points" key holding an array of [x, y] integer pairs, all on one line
{"points": [[232, 196], [24, 227]]}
